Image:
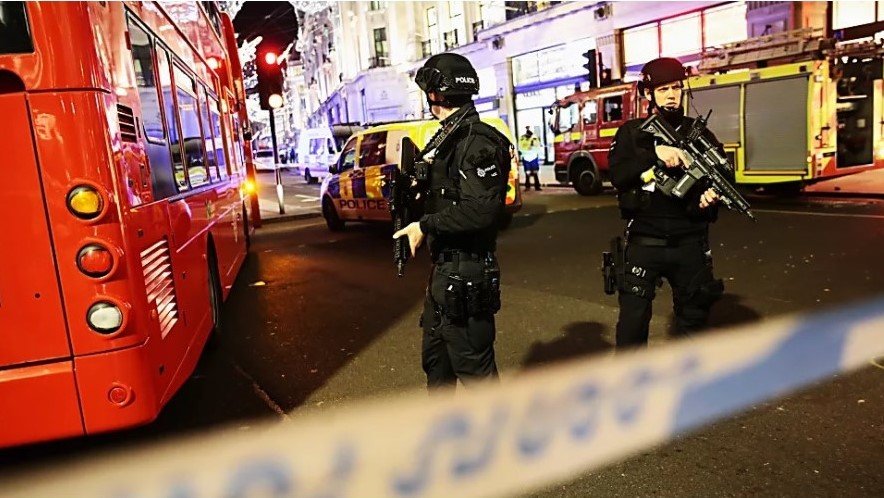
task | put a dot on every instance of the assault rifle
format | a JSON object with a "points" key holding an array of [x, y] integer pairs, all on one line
{"points": [[409, 180], [705, 161], [402, 200]]}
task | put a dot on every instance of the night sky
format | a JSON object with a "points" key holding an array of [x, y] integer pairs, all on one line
{"points": [[275, 21]]}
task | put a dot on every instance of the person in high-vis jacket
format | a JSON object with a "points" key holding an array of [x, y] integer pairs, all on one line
{"points": [[468, 181], [666, 237], [528, 146]]}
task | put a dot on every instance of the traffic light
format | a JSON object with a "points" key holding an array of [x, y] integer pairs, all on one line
{"points": [[270, 80], [592, 68]]}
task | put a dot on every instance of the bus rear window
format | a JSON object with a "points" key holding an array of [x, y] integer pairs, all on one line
{"points": [[15, 37]]}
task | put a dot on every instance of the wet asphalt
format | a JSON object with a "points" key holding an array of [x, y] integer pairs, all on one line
{"points": [[318, 319]]}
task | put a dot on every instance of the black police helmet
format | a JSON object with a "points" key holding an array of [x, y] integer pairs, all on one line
{"points": [[449, 75], [660, 72]]}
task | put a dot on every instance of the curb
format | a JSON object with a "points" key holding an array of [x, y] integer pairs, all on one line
{"points": [[290, 217], [845, 194]]}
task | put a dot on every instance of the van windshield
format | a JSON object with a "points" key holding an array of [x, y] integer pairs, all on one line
{"points": [[15, 36]]}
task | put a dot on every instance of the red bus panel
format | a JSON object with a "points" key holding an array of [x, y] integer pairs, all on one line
{"points": [[49, 387], [32, 324]]}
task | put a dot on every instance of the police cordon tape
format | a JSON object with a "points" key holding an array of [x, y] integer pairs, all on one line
{"points": [[534, 429]]}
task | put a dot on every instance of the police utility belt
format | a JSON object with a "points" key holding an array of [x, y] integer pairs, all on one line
{"points": [[468, 297]]}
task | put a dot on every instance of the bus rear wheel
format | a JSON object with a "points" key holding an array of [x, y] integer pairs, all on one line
{"points": [[215, 297]]}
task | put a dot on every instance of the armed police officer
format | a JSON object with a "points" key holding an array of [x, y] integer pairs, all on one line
{"points": [[468, 172], [666, 237]]}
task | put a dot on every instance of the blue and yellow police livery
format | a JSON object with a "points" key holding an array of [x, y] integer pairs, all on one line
{"points": [[358, 189]]}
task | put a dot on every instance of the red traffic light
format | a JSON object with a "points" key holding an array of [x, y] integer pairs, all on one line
{"points": [[270, 58]]}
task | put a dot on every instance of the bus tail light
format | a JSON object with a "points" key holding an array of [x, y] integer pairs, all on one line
{"points": [[105, 317], [95, 260], [249, 187], [85, 202]]}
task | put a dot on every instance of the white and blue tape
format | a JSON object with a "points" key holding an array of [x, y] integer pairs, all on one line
{"points": [[530, 431]]}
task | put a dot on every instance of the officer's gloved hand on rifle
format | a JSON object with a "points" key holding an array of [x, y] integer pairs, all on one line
{"points": [[414, 234], [671, 157]]}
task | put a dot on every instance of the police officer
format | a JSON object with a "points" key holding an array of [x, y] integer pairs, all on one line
{"points": [[467, 188], [666, 237]]}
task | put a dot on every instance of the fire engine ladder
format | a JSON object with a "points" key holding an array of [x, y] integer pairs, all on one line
{"points": [[860, 49], [787, 46]]}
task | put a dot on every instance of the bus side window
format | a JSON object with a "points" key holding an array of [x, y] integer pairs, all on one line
{"points": [[239, 161], [170, 179], [170, 103], [156, 148], [220, 146], [208, 139], [191, 135]]}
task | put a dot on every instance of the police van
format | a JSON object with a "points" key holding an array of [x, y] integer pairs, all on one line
{"points": [[318, 149], [358, 188]]}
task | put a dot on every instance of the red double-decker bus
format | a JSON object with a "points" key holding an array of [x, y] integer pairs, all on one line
{"points": [[126, 213]]}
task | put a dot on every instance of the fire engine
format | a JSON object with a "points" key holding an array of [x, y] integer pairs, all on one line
{"points": [[791, 109]]}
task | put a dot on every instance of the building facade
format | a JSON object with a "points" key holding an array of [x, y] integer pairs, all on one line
{"points": [[527, 54]]}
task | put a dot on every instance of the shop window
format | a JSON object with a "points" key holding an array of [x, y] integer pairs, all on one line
{"points": [[848, 14], [726, 24], [613, 107], [681, 36], [641, 44]]}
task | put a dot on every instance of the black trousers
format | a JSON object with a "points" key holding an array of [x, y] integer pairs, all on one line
{"points": [[687, 268], [462, 349], [528, 175]]}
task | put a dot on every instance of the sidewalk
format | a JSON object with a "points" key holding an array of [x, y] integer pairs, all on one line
{"points": [[547, 177], [866, 183], [300, 200]]}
